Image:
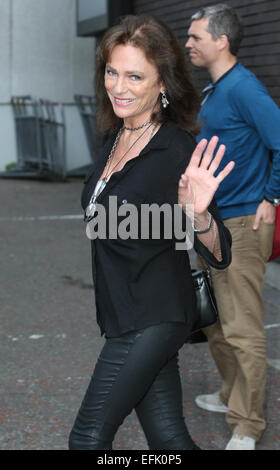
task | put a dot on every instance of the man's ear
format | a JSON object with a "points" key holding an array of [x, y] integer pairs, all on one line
{"points": [[223, 42]]}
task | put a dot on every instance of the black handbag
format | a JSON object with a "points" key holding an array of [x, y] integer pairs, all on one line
{"points": [[206, 306]]}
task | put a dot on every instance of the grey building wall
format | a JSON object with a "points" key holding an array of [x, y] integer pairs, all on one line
{"points": [[41, 56]]}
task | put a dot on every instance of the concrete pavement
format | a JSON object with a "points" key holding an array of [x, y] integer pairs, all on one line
{"points": [[50, 341]]}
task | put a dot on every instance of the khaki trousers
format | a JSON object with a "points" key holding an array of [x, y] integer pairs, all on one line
{"points": [[237, 342]]}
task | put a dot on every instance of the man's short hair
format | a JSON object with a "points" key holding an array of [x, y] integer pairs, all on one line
{"points": [[222, 20]]}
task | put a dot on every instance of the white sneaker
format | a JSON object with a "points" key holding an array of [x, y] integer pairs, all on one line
{"points": [[239, 442], [211, 403]]}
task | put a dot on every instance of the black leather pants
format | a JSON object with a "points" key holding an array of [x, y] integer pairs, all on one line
{"points": [[138, 370]]}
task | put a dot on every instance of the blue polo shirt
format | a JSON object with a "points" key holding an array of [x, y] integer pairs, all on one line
{"points": [[240, 111]]}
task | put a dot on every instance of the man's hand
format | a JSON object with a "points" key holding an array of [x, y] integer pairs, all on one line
{"points": [[266, 213]]}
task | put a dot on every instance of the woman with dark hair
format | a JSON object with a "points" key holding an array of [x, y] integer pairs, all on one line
{"points": [[144, 293], [160, 47]]}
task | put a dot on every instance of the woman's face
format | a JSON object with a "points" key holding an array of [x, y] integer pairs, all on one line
{"points": [[132, 84]]}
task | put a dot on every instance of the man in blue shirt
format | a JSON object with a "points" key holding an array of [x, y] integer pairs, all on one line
{"points": [[239, 110]]}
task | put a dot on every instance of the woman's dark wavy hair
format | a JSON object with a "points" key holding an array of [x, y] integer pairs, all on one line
{"points": [[161, 47]]}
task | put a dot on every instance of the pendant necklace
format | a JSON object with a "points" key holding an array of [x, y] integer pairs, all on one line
{"points": [[91, 208]]}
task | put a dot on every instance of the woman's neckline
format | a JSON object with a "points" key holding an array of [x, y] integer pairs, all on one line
{"points": [[132, 158]]}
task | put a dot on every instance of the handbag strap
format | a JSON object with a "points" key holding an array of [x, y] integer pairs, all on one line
{"points": [[205, 265]]}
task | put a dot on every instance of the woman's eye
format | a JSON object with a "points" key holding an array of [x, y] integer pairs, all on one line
{"points": [[135, 77], [110, 72]]}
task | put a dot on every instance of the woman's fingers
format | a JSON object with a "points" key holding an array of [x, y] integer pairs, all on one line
{"points": [[204, 151], [218, 158], [208, 154], [205, 161], [196, 156], [225, 172]]}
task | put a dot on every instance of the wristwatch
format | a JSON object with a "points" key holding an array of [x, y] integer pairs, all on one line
{"points": [[275, 202]]}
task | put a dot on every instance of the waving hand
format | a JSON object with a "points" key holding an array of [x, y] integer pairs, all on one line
{"points": [[198, 184]]}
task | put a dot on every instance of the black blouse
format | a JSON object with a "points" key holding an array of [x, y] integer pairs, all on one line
{"points": [[143, 282]]}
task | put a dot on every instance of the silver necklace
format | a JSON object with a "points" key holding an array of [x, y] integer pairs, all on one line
{"points": [[91, 208]]}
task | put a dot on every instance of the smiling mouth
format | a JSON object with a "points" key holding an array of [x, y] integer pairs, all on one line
{"points": [[123, 101]]}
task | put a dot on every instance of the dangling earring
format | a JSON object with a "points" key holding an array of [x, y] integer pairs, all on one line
{"points": [[164, 100]]}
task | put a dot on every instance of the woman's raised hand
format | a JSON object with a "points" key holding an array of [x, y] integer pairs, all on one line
{"points": [[198, 184]]}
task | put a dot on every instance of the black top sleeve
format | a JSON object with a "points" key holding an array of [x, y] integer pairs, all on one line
{"points": [[225, 242]]}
